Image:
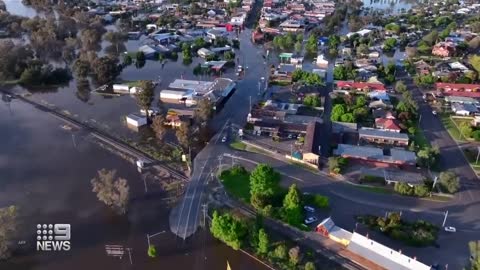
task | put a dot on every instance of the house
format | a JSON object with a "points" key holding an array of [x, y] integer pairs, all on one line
{"points": [[310, 147], [360, 86], [387, 124], [149, 51], [464, 109], [257, 36], [216, 33], [462, 100], [377, 104], [379, 95], [375, 156], [444, 49], [327, 228], [382, 113], [204, 53], [379, 136], [458, 89], [422, 67], [361, 33]]}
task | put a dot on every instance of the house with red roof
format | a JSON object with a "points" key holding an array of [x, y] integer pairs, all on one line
{"points": [[458, 89], [443, 49], [360, 86], [388, 124]]}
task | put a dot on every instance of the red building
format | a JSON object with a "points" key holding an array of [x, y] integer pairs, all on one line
{"points": [[443, 49], [361, 86], [458, 89]]}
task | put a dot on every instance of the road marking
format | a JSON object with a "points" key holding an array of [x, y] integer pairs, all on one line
{"points": [[198, 181]]}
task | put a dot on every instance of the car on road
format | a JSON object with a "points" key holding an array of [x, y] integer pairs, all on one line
{"points": [[434, 112], [309, 209], [262, 79], [450, 229], [224, 139], [310, 220]]}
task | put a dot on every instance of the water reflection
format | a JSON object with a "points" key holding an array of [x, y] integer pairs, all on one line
{"points": [[389, 6], [16, 7]]}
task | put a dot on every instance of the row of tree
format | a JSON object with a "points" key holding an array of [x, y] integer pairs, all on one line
{"points": [[238, 232]]}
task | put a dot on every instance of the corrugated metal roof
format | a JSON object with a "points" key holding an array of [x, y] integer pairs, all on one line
{"points": [[383, 255], [384, 134]]}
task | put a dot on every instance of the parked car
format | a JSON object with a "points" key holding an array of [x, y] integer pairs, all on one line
{"points": [[224, 139], [434, 112], [310, 220], [309, 209], [450, 229]]}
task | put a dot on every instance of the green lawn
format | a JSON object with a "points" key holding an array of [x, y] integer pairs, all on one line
{"points": [[238, 145], [237, 183], [451, 128]]}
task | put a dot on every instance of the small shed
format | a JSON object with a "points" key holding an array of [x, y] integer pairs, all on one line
{"points": [[136, 120], [328, 229]]}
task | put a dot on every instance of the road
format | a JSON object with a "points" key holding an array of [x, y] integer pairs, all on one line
{"points": [[184, 217]]}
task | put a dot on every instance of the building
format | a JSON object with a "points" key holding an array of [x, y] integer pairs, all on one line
{"points": [[199, 87], [369, 249], [360, 86], [204, 53], [444, 49], [387, 124], [311, 151], [136, 120], [464, 109], [462, 100], [378, 136], [322, 62], [375, 156], [383, 255], [175, 96], [149, 51], [458, 89], [327, 228]]}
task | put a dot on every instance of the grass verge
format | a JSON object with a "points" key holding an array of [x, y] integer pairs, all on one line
{"points": [[238, 145], [237, 183], [373, 189]]}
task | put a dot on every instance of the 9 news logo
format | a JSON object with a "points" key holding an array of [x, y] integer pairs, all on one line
{"points": [[53, 237]]}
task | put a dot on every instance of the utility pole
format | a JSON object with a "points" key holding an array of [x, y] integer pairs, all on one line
{"points": [[478, 154], [129, 254], [445, 219], [220, 161]]}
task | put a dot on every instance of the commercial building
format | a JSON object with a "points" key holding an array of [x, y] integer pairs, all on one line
{"points": [[376, 156]]}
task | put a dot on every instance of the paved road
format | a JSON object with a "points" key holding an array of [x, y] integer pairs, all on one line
{"points": [[184, 217]]}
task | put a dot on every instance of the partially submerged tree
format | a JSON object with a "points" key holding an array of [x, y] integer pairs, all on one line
{"points": [[145, 96], [112, 191], [159, 127]]}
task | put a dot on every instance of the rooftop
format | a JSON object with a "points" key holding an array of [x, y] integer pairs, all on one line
{"points": [[375, 154], [384, 134], [197, 86]]}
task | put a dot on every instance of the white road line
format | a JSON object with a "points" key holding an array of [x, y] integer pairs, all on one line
{"points": [[199, 177]]}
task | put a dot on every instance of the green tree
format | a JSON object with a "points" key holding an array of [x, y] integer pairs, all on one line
{"points": [[466, 129], [294, 255], [204, 110], [449, 181], [431, 38], [362, 49], [105, 69], [229, 56], [146, 95], [421, 190], [8, 230], [403, 188], [360, 113], [333, 163], [228, 229], [114, 192], [183, 135], [474, 60], [392, 27], [158, 126], [347, 118], [280, 252], [340, 73], [263, 180], [311, 47], [127, 60], [292, 209], [117, 39], [310, 266], [140, 56], [263, 242], [152, 251], [389, 44], [298, 47], [428, 156], [400, 87], [360, 101], [312, 101], [81, 68], [337, 111]]}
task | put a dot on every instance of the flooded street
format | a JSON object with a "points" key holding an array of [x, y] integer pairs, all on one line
{"points": [[46, 172]]}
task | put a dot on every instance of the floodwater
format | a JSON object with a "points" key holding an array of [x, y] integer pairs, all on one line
{"points": [[46, 171], [16, 7]]}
